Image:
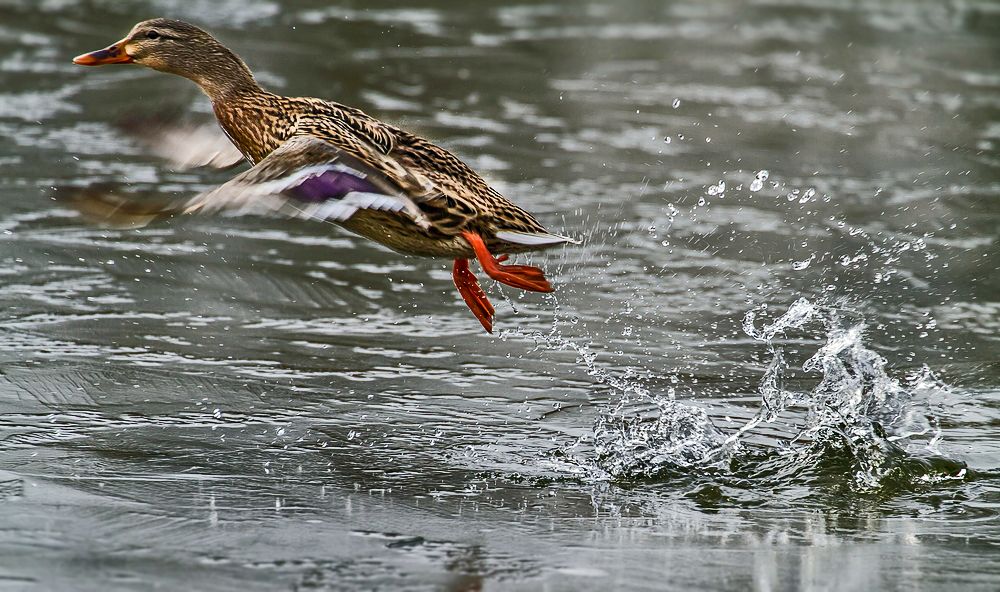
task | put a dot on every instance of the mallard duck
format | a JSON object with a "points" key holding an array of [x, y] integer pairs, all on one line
{"points": [[317, 159]]}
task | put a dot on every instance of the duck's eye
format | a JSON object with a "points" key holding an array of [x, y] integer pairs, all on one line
{"points": [[152, 35]]}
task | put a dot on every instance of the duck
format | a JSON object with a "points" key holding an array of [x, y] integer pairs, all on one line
{"points": [[316, 159]]}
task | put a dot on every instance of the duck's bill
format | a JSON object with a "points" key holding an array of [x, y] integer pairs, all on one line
{"points": [[112, 55]]}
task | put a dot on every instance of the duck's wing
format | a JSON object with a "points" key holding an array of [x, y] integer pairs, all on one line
{"points": [[452, 195], [304, 178], [183, 145], [447, 210], [330, 119]]}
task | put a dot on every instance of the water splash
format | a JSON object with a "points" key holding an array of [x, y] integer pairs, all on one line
{"points": [[673, 436], [855, 409], [855, 388], [758, 181]]}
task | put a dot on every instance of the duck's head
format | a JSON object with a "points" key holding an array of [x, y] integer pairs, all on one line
{"points": [[175, 47]]}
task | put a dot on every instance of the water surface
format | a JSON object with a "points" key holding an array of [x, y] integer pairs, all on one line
{"points": [[772, 365]]}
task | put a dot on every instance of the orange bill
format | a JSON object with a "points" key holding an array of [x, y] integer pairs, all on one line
{"points": [[112, 55]]}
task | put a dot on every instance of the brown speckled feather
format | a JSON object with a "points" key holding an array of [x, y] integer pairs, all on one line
{"points": [[456, 198]]}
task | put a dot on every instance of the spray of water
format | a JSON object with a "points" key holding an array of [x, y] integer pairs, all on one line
{"points": [[853, 406], [856, 406]]}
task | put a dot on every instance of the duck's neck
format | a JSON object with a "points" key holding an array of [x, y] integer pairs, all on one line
{"points": [[257, 121], [223, 75]]}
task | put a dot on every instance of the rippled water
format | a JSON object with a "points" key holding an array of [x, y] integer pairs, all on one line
{"points": [[772, 365]]}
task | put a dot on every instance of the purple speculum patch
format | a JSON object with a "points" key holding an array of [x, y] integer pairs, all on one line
{"points": [[331, 185]]}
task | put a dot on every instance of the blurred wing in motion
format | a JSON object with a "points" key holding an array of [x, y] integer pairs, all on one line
{"points": [[304, 178], [107, 205], [183, 145]]}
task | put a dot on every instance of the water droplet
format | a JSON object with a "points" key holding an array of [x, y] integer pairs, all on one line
{"points": [[717, 189], [800, 265]]}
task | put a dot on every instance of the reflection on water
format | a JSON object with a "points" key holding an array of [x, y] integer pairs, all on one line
{"points": [[772, 364]]}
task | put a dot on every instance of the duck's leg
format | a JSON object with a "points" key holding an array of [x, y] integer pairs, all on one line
{"points": [[472, 293], [525, 277]]}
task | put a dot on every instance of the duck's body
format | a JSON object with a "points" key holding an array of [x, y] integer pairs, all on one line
{"points": [[258, 123], [320, 159]]}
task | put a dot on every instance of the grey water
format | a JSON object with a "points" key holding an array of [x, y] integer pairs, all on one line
{"points": [[772, 364]]}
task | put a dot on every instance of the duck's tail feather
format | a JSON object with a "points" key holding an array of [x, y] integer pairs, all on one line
{"points": [[535, 239]]}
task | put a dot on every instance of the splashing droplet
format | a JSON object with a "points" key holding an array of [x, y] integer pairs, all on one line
{"points": [[800, 265]]}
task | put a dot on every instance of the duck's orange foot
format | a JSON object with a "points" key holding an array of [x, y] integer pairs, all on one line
{"points": [[468, 286], [525, 277]]}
